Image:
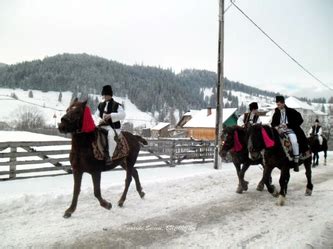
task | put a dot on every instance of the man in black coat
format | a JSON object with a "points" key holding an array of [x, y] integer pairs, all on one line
{"points": [[288, 120]]}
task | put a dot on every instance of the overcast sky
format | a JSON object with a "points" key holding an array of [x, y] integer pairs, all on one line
{"points": [[180, 34]]}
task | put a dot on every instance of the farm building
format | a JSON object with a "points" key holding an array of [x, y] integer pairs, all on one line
{"points": [[160, 130], [202, 123]]}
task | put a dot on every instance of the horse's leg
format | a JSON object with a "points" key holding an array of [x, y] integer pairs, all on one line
{"points": [[77, 187], [244, 183], [308, 174], [261, 184], [137, 182], [239, 189], [268, 179], [325, 156], [314, 160], [317, 158], [96, 177], [129, 168], [284, 179]]}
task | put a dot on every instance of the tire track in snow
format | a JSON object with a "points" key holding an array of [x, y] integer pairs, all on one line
{"points": [[158, 231]]}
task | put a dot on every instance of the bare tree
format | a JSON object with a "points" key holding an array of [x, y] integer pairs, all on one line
{"points": [[29, 117]]}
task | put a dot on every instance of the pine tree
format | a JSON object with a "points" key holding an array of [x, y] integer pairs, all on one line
{"points": [[31, 95], [330, 101], [60, 97]]}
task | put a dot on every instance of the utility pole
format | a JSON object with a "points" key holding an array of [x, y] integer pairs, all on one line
{"points": [[219, 90]]}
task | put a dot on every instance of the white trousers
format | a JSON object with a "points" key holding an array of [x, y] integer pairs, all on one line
{"points": [[294, 143], [320, 139], [111, 142]]}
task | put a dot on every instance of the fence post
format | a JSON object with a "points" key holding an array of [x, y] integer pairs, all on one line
{"points": [[12, 163], [173, 154]]}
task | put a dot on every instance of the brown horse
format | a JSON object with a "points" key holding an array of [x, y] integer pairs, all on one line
{"points": [[264, 140], [82, 158], [234, 141]]}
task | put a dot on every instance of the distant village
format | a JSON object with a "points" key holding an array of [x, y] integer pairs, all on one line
{"points": [[200, 124]]}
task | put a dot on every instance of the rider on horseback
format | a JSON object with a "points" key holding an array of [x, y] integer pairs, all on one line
{"points": [[316, 130], [110, 113], [288, 121], [249, 118]]}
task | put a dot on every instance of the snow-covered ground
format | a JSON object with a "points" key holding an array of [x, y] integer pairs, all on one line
{"points": [[192, 206]]}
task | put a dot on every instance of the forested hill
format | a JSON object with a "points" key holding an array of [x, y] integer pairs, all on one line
{"points": [[150, 88], [2, 64]]}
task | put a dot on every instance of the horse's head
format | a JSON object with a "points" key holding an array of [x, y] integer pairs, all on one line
{"points": [[228, 140], [259, 140], [72, 121], [255, 143]]}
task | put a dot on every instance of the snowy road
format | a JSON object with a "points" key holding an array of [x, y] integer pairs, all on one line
{"points": [[187, 206]]}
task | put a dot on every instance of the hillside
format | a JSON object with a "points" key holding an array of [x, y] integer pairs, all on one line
{"points": [[150, 88], [47, 105], [2, 64]]}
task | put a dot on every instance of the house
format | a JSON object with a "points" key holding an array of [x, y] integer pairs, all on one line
{"points": [[203, 122], [160, 130]]}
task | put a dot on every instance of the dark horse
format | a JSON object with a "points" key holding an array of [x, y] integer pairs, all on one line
{"points": [[82, 158], [234, 141], [266, 141], [316, 148]]}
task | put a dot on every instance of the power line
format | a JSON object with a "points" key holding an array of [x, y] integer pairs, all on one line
{"points": [[283, 50], [230, 4]]}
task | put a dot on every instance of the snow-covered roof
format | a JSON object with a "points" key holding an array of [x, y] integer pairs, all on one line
{"points": [[191, 113], [200, 119], [297, 104], [320, 113], [160, 126]]}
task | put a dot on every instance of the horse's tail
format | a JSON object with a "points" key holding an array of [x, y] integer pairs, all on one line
{"points": [[141, 140]]}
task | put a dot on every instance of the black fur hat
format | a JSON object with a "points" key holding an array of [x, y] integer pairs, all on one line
{"points": [[279, 99], [317, 121], [253, 106], [107, 90]]}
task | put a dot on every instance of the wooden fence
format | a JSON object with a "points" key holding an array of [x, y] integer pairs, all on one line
{"points": [[46, 158]]}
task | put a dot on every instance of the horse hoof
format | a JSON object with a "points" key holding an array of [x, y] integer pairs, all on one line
{"points": [[260, 187], [67, 215], [281, 200], [239, 189], [308, 192], [142, 195], [245, 185], [275, 193], [121, 204], [108, 206]]}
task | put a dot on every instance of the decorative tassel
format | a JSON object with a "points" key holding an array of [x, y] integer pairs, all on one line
{"points": [[237, 145], [88, 124], [269, 143]]}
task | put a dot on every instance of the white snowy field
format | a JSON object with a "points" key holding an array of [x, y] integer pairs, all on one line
{"points": [[192, 206], [47, 104]]}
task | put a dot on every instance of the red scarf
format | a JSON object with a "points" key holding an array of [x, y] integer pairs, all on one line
{"points": [[269, 143], [237, 145], [88, 124]]}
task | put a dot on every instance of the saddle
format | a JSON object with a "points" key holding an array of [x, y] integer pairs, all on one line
{"points": [[288, 149], [100, 146]]}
